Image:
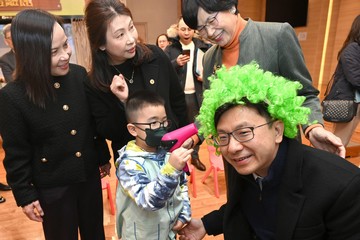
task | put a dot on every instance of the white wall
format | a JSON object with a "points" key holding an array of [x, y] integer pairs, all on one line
{"points": [[158, 14]]}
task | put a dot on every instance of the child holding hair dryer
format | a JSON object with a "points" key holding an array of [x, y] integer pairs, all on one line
{"points": [[152, 196]]}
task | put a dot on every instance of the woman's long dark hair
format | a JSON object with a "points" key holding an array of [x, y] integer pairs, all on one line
{"points": [[31, 33], [353, 36], [98, 15]]}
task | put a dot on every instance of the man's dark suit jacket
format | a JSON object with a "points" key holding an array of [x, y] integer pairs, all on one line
{"points": [[319, 198], [7, 65]]}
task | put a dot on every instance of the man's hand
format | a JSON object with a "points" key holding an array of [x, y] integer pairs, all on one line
{"points": [[322, 139], [34, 211], [181, 60], [178, 225], [194, 230]]}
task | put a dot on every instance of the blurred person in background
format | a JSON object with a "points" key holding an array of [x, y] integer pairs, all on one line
{"points": [[186, 55], [162, 41], [7, 61], [346, 85]]}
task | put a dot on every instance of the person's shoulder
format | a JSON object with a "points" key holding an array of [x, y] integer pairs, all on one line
{"points": [[77, 67], [14, 89], [272, 26], [157, 53], [155, 50], [353, 47], [78, 70], [327, 160]]}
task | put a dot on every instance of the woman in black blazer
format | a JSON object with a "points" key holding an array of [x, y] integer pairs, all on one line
{"points": [[52, 154], [121, 64]]}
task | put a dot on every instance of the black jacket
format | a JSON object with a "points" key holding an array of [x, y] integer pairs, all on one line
{"points": [[318, 198], [347, 74], [52, 147], [157, 75]]}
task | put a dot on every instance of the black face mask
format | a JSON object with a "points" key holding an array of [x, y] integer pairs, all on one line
{"points": [[154, 136]]}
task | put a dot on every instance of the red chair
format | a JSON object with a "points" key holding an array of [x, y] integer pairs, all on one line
{"points": [[216, 164], [105, 184], [192, 179]]}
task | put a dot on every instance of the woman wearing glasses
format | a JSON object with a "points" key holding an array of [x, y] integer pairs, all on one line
{"points": [[120, 66], [274, 46]]}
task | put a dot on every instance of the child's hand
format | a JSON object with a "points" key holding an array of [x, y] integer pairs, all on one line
{"points": [[189, 143], [178, 225], [179, 157]]}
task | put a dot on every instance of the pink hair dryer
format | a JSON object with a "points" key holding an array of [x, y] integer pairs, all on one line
{"points": [[174, 139]]}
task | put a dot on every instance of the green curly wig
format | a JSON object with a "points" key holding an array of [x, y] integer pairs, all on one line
{"points": [[249, 81]]}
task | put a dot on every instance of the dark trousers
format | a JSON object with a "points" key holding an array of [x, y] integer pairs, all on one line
{"points": [[73, 208], [192, 111]]}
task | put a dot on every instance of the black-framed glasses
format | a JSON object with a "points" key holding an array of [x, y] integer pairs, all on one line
{"points": [[243, 134], [155, 124], [210, 22]]}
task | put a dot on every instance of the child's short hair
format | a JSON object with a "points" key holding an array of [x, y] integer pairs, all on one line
{"points": [[140, 99]]}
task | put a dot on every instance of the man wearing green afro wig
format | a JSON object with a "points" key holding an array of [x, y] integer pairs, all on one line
{"points": [[277, 188]]}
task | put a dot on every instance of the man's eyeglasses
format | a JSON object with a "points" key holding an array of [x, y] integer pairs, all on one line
{"points": [[156, 124], [241, 135], [211, 22]]}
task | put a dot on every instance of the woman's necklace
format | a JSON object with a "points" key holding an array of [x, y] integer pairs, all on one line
{"points": [[131, 80]]}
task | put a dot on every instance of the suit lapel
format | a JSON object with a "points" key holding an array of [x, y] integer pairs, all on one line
{"points": [[290, 201]]}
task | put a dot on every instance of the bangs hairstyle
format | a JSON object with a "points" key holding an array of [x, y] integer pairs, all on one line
{"points": [[139, 100], [98, 15], [31, 33], [251, 86], [189, 9]]}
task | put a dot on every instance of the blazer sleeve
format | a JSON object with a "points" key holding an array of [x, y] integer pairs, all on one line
{"points": [[350, 60], [213, 221], [18, 157], [292, 66]]}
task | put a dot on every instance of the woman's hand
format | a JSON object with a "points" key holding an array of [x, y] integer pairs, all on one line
{"points": [[119, 87], [34, 211], [323, 139]]}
